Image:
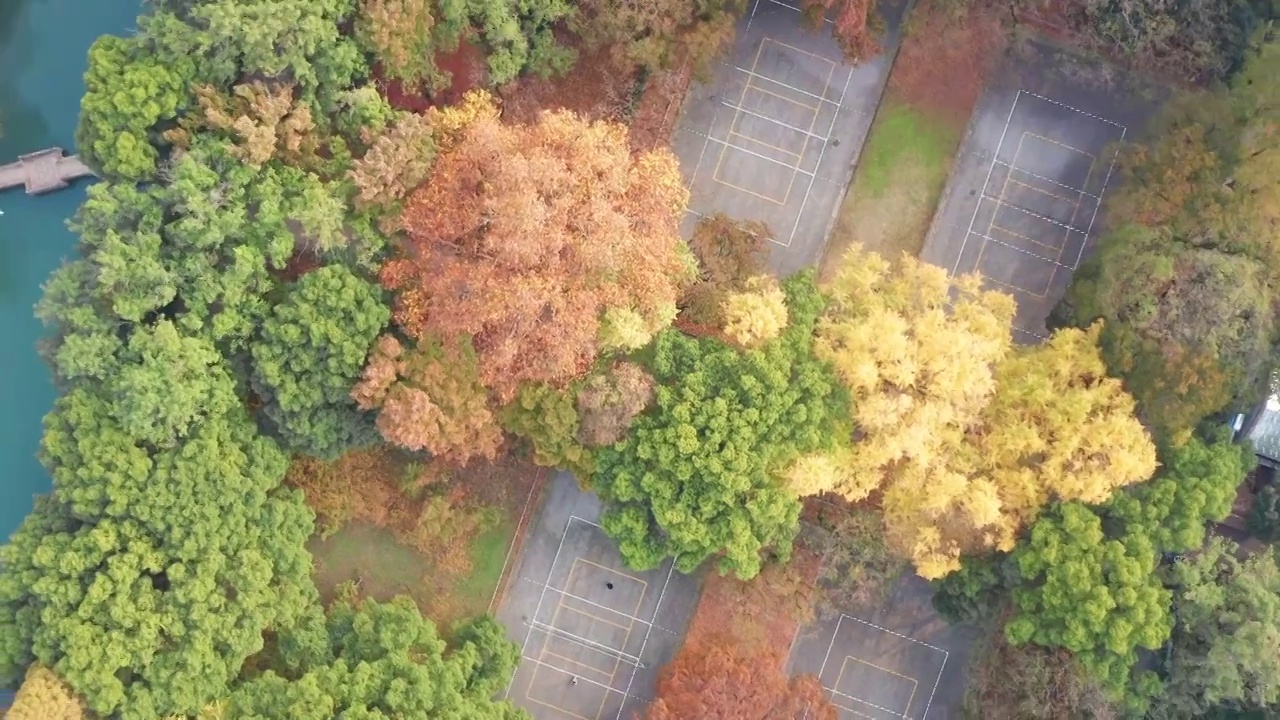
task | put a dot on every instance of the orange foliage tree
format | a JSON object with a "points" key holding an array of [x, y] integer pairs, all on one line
{"points": [[850, 24], [428, 398], [719, 679], [524, 235]]}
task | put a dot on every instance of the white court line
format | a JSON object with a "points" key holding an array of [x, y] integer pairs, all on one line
{"points": [[1105, 181], [745, 71], [821, 151], [507, 560], [568, 594], [999, 146], [644, 642], [582, 678], [793, 7], [1024, 251], [897, 634], [775, 121], [762, 157], [551, 630], [1048, 180], [1074, 109], [538, 608], [752, 17], [833, 691], [945, 656], [1002, 203], [849, 710], [834, 634], [935, 686]]}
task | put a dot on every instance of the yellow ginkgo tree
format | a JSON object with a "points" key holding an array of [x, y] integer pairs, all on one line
{"points": [[961, 437]]}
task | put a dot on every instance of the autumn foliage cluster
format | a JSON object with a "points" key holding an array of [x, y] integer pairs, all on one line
{"points": [[524, 236]]}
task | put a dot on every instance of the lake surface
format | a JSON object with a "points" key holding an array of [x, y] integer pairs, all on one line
{"points": [[43, 47]]}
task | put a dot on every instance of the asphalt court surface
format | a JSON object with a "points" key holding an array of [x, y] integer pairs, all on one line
{"points": [[593, 634], [1044, 188], [870, 671], [774, 135], [1024, 202]]}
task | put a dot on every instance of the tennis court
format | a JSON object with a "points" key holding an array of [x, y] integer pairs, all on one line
{"points": [[593, 634], [774, 135], [1024, 202]]}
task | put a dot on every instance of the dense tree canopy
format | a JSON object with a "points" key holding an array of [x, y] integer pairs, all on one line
{"points": [[1196, 486], [721, 679], [428, 398], [1029, 682], [1197, 40], [1195, 226], [149, 576], [383, 661], [309, 355], [1189, 338], [1086, 579], [301, 39], [966, 438], [548, 419], [697, 476], [660, 34], [1096, 596], [1264, 516], [200, 250], [525, 235], [1228, 627], [128, 90], [609, 400]]}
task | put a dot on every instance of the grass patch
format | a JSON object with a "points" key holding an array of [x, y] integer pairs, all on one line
{"points": [[441, 537], [899, 180], [366, 554], [488, 554], [383, 568]]}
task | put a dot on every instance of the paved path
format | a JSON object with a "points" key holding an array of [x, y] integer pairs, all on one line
{"points": [[42, 171]]}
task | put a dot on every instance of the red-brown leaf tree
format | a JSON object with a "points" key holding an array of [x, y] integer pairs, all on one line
{"points": [[720, 679], [524, 235]]}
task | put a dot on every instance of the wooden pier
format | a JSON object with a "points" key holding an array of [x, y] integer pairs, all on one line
{"points": [[42, 171]]}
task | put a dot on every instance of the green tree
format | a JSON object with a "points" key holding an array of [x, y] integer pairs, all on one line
{"points": [[1097, 596], [149, 576], [1264, 516], [309, 355], [1196, 40], [519, 36], [1196, 486], [697, 475], [201, 250], [301, 39], [548, 419], [1228, 629], [385, 661], [128, 91], [1191, 335], [168, 384]]}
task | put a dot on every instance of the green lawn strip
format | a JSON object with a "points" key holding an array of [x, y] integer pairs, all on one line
{"points": [[370, 555], [488, 555], [899, 179], [384, 568]]}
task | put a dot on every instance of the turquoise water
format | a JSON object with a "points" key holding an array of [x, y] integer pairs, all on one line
{"points": [[43, 44]]}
